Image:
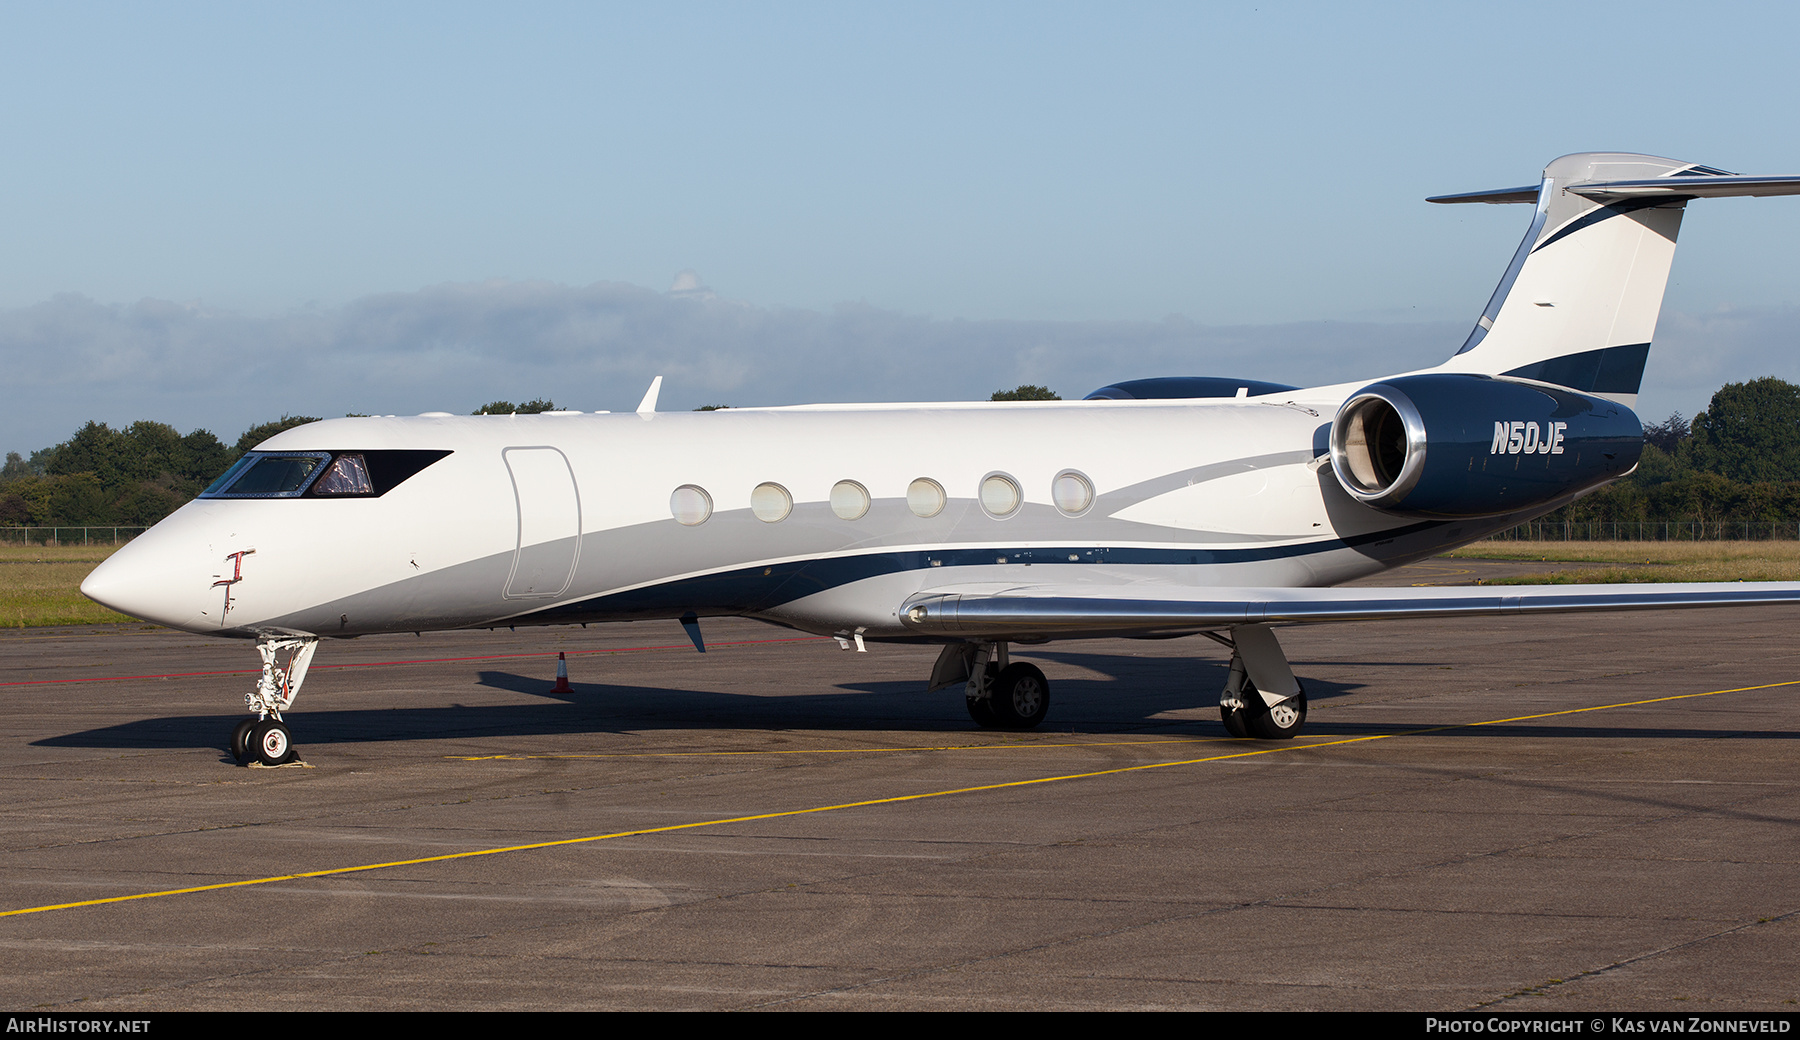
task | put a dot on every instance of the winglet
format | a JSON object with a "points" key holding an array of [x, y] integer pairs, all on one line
{"points": [[648, 405]]}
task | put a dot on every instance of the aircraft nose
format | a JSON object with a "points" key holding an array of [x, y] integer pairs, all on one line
{"points": [[129, 582], [152, 578]]}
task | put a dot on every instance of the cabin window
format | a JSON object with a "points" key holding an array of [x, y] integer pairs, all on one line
{"points": [[925, 497], [1000, 495], [771, 503], [1072, 492], [849, 500], [690, 505]]}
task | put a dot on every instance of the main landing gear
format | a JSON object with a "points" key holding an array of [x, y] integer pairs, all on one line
{"points": [[265, 739], [1262, 698], [999, 694]]}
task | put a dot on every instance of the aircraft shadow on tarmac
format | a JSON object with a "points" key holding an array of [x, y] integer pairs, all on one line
{"points": [[1117, 694]]}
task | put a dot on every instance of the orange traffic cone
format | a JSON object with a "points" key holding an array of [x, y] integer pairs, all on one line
{"points": [[562, 676]]}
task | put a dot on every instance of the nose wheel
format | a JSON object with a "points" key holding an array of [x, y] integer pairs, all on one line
{"points": [[265, 738], [271, 744], [240, 739], [265, 741]]}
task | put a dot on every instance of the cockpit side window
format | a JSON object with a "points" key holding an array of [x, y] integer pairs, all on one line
{"points": [[389, 468], [348, 475]]}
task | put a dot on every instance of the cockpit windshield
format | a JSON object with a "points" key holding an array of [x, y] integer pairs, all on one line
{"points": [[319, 474], [268, 475]]}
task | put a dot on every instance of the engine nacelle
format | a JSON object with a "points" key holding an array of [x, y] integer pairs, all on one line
{"points": [[1446, 445]]}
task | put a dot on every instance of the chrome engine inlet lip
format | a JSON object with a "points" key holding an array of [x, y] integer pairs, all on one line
{"points": [[1344, 465]]}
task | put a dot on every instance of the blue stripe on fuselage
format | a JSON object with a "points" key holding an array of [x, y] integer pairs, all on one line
{"points": [[749, 590]]}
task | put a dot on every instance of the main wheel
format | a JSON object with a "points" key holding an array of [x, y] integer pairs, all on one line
{"points": [[1233, 718], [271, 743], [981, 709], [1020, 696], [1281, 722], [240, 740]]}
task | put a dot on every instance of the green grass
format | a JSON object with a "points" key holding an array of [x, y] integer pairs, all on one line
{"points": [[41, 585], [1644, 561]]}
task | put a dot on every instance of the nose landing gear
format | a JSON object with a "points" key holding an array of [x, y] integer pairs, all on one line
{"points": [[265, 739]]}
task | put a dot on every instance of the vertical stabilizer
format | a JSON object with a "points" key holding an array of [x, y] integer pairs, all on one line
{"points": [[1579, 302]]}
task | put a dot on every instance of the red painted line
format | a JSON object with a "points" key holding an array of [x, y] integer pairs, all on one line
{"points": [[423, 660]]}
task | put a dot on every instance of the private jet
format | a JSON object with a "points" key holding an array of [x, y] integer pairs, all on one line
{"points": [[1153, 508]]}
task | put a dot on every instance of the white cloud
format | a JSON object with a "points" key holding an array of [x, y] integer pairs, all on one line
{"points": [[454, 347]]}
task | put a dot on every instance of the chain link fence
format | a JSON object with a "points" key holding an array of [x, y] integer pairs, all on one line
{"points": [[1653, 531], [69, 535]]}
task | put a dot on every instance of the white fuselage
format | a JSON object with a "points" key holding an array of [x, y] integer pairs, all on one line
{"points": [[559, 518]]}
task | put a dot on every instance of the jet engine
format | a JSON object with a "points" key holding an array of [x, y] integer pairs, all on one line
{"points": [[1452, 445]]}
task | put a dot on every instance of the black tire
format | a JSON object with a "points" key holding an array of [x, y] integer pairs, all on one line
{"points": [[271, 743], [1233, 718], [1020, 697], [240, 740], [982, 711], [1282, 722]]}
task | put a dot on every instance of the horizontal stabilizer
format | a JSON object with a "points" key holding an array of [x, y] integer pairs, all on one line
{"points": [[1092, 610], [1499, 196], [1686, 186], [1718, 187]]}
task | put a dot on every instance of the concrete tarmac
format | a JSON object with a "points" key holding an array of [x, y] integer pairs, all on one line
{"points": [[1551, 814]]}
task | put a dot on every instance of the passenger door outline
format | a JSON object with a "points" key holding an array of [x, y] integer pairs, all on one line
{"points": [[548, 501]]}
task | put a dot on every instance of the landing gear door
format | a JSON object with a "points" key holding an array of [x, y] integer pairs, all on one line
{"points": [[549, 523]]}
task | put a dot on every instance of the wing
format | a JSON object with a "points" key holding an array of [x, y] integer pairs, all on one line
{"points": [[1022, 612]]}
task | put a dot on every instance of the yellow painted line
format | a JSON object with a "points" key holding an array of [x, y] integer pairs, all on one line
{"points": [[895, 800], [672, 827], [1605, 707]]}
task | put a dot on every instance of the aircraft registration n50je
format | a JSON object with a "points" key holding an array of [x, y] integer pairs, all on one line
{"points": [[1154, 507]]}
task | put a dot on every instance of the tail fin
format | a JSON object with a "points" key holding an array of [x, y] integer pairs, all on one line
{"points": [[1578, 304]]}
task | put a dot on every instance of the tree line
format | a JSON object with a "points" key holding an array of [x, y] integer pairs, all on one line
{"points": [[131, 477], [1739, 460]]}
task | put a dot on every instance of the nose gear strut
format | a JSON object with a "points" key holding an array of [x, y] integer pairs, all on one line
{"points": [[266, 739]]}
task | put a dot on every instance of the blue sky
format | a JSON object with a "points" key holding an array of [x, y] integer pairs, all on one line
{"points": [[215, 214]]}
